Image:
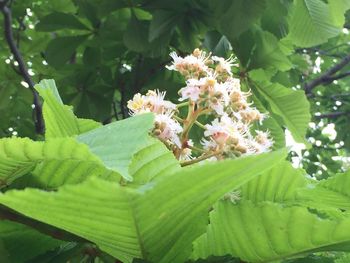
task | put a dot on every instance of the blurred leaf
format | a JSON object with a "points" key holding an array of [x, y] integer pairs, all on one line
{"points": [[136, 35], [235, 17], [57, 21], [56, 55], [162, 22]]}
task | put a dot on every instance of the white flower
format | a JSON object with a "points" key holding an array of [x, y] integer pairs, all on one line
{"points": [[223, 130], [224, 65], [191, 91], [263, 139], [186, 153], [157, 102], [153, 101], [193, 65], [137, 103], [166, 128], [251, 114], [209, 145]]}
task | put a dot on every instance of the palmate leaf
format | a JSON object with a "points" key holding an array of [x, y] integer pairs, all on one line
{"points": [[18, 156], [23, 243], [60, 120], [271, 222], [157, 221]]}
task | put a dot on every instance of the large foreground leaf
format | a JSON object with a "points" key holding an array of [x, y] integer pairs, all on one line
{"points": [[157, 221], [332, 192], [278, 184], [273, 222], [267, 231], [64, 159], [116, 143]]}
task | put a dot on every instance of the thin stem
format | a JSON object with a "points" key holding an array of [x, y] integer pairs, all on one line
{"points": [[178, 118], [200, 125], [182, 104], [199, 159], [196, 149]]}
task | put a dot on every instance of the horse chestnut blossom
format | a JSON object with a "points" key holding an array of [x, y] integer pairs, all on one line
{"points": [[212, 93]]}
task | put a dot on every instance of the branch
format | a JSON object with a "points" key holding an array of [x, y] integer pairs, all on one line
{"points": [[328, 76], [6, 11], [8, 214], [333, 115]]}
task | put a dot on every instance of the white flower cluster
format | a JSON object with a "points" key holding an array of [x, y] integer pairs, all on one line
{"points": [[212, 90]]}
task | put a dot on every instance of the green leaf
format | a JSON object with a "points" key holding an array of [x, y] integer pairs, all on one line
{"points": [[267, 231], [333, 192], [128, 223], [58, 56], [23, 243], [57, 21], [163, 22], [151, 161], [235, 17], [278, 184], [292, 106], [116, 143], [60, 120], [217, 43], [57, 161], [311, 23], [136, 35], [338, 9], [268, 52]]}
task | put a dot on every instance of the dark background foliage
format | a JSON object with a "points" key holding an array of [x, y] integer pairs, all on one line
{"points": [[101, 52]]}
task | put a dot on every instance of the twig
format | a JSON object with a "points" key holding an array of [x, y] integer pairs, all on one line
{"points": [[114, 105], [199, 159], [328, 76], [6, 11], [8, 214]]}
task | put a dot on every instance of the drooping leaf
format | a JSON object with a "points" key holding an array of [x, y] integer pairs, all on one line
{"points": [[292, 106], [338, 9], [311, 23], [118, 218], [268, 52]]}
